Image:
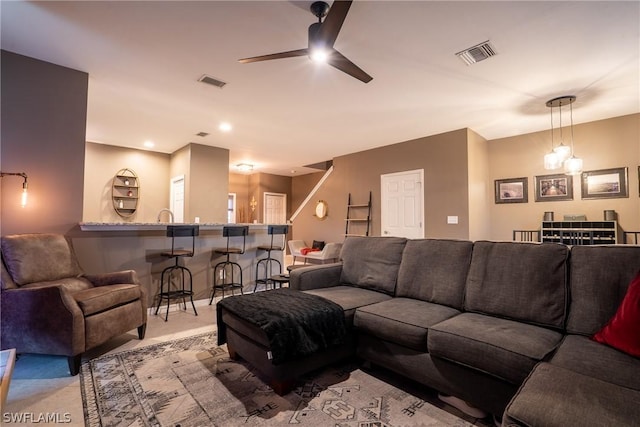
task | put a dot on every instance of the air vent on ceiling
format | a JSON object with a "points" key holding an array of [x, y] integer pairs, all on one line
{"points": [[202, 134], [477, 53], [211, 81]]}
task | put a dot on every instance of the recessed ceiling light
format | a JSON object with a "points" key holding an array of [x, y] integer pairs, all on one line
{"points": [[149, 144], [244, 167], [225, 127]]}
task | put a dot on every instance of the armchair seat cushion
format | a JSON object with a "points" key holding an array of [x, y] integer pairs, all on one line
{"points": [[101, 298]]}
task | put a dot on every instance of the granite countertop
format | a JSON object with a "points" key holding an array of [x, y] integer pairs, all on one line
{"points": [[136, 226]]}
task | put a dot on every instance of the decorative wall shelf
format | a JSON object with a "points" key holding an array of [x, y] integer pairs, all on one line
{"points": [[125, 192]]}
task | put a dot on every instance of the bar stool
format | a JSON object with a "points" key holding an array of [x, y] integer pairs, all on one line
{"points": [[182, 291], [220, 274], [267, 263]]}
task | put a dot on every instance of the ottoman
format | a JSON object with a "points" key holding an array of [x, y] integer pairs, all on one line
{"points": [[284, 334]]}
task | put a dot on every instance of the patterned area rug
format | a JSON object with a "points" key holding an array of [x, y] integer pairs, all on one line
{"points": [[193, 382]]}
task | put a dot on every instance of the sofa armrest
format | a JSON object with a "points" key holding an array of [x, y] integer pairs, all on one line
{"points": [[315, 277], [115, 278], [42, 320]]}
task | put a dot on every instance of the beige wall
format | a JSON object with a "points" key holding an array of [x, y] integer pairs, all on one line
{"points": [[444, 160], [101, 164], [602, 144], [44, 111], [208, 184], [479, 183], [239, 184]]}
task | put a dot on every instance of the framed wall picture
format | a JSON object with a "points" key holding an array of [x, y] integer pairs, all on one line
{"points": [[605, 183], [512, 190], [553, 187]]}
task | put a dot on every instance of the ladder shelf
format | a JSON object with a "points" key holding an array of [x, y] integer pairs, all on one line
{"points": [[355, 218]]}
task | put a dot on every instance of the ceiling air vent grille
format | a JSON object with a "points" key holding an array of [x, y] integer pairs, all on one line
{"points": [[477, 53], [211, 81]]}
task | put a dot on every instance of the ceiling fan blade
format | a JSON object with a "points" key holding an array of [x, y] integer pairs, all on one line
{"points": [[331, 25], [289, 54], [339, 61]]}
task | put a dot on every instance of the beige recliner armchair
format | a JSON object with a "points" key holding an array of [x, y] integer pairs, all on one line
{"points": [[49, 306]]}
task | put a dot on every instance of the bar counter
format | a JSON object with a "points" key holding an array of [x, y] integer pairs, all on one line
{"points": [[103, 247]]}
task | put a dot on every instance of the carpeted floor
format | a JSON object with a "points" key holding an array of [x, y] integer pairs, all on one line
{"points": [[193, 382]]}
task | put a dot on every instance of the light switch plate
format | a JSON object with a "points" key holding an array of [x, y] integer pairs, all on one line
{"points": [[452, 219]]}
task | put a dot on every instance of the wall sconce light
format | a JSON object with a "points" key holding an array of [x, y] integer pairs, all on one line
{"points": [[562, 154], [253, 204], [244, 167], [23, 201]]}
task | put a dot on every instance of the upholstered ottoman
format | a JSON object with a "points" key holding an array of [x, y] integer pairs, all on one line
{"points": [[284, 333]]}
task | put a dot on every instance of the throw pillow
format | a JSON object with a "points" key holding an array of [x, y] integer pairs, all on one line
{"points": [[317, 244], [622, 331]]}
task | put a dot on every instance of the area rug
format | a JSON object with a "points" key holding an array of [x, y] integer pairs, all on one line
{"points": [[193, 382]]}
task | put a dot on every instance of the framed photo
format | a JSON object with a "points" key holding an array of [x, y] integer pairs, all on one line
{"points": [[605, 183], [513, 190], [553, 187]]}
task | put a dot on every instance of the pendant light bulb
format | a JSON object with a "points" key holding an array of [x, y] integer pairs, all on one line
{"points": [[552, 161], [573, 166]]}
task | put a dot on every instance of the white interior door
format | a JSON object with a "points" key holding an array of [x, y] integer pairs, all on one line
{"points": [[275, 208], [176, 201], [402, 204]]}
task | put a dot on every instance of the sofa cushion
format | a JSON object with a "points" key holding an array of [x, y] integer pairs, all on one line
{"points": [[101, 298], [33, 258], [403, 321], [434, 270], [556, 397], [350, 298], [600, 276], [581, 354], [521, 281], [503, 348], [623, 330], [372, 262]]}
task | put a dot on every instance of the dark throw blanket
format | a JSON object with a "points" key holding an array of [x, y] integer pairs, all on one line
{"points": [[296, 323]]}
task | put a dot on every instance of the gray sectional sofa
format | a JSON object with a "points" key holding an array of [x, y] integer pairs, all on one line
{"points": [[504, 326]]}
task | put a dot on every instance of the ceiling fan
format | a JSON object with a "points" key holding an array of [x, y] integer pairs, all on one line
{"points": [[322, 36]]}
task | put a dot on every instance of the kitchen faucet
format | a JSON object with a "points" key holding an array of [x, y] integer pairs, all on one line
{"points": [[165, 210]]}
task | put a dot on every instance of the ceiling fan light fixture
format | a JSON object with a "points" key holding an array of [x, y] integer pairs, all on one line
{"points": [[319, 55]]}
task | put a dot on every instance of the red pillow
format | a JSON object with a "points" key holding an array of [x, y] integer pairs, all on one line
{"points": [[623, 330]]}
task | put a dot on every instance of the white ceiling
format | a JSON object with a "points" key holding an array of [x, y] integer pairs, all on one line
{"points": [[144, 60]]}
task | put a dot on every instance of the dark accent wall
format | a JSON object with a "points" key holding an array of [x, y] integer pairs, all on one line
{"points": [[44, 113]]}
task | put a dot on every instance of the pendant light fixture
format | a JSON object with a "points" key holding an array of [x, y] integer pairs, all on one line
{"points": [[552, 159], [564, 154], [573, 165]]}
